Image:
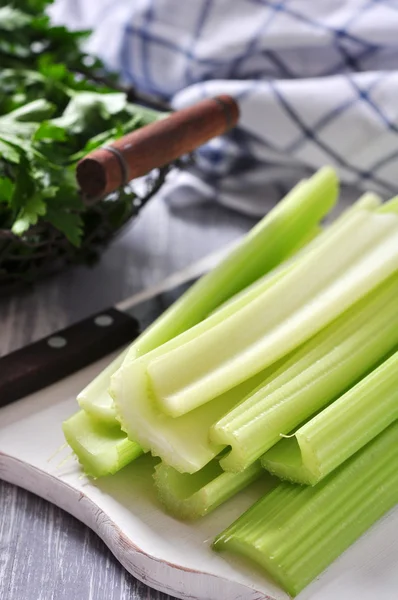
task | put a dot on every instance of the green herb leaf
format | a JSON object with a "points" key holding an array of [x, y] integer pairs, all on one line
{"points": [[12, 18], [34, 208], [6, 189]]}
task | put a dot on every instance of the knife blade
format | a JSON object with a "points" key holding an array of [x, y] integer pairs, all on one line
{"points": [[68, 350]]}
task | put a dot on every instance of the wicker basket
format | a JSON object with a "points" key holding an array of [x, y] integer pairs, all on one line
{"points": [[43, 250]]}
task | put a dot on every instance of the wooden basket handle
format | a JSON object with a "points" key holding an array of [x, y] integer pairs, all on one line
{"points": [[155, 145]]}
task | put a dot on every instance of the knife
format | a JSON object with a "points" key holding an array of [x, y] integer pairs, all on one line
{"points": [[68, 350]]}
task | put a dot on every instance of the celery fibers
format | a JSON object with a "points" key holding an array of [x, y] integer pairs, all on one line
{"points": [[340, 430], [189, 497], [100, 449], [295, 532], [319, 371]]}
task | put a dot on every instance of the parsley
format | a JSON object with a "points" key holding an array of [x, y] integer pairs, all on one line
{"points": [[52, 112]]}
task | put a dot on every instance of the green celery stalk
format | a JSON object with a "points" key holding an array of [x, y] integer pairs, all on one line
{"points": [[100, 449], [368, 201], [192, 369], [273, 239], [295, 532], [95, 400], [319, 371], [189, 497], [390, 206], [340, 430]]}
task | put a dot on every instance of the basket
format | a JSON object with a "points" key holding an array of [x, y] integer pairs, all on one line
{"points": [[44, 251]]}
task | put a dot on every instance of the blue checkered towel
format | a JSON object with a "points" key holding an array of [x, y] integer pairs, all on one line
{"points": [[317, 83]]}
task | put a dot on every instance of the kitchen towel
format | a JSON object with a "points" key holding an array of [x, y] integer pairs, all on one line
{"points": [[317, 83]]}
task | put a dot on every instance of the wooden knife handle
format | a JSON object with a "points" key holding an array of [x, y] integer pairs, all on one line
{"points": [[44, 362], [155, 145]]}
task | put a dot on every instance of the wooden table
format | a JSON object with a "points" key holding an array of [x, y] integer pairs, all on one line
{"points": [[45, 554]]}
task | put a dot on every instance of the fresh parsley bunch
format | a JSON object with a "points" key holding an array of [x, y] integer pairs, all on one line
{"points": [[52, 112]]}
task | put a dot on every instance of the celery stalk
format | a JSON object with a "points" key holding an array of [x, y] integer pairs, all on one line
{"points": [[186, 373], [319, 371], [368, 201], [340, 430], [95, 399], [100, 449], [189, 497], [390, 206], [295, 532]]}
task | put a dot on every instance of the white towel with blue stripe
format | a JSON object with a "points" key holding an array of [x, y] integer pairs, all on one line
{"points": [[317, 83]]}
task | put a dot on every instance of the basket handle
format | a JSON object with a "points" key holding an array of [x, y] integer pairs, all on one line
{"points": [[135, 154]]}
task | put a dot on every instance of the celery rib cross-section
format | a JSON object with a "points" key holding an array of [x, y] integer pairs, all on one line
{"points": [[321, 370], [340, 430], [100, 449], [296, 531], [95, 400], [189, 497]]}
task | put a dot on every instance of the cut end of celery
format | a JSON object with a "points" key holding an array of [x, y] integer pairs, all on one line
{"points": [[236, 457], [189, 497], [95, 399], [100, 449], [102, 409], [285, 461]]}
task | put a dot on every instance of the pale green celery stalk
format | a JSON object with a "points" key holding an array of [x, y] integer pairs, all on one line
{"points": [[295, 532], [267, 244], [362, 253], [319, 371], [181, 443], [340, 430], [100, 449], [390, 206], [368, 201], [95, 399], [189, 497]]}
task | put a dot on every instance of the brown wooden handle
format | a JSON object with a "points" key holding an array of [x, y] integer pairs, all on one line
{"points": [[161, 142]]}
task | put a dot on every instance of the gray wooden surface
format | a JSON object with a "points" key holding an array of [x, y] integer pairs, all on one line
{"points": [[45, 554]]}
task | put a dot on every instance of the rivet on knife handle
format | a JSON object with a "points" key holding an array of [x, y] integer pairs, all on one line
{"points": [[42, 363], [134, 155]]}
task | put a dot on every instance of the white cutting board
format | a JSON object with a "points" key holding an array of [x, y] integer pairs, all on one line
{"points": [[168, 555]]}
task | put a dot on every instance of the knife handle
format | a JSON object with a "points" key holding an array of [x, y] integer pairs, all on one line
{"points": [[48, 360], [155, 145]]}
